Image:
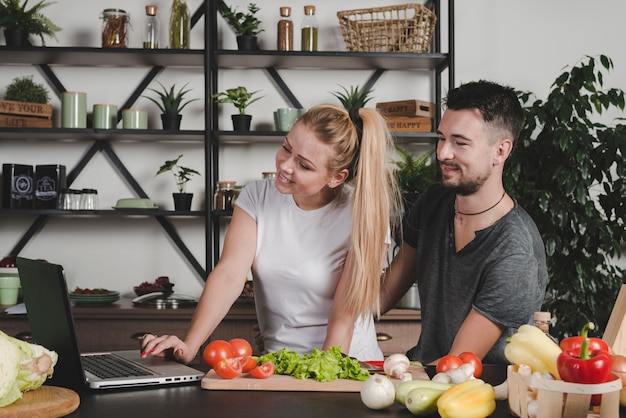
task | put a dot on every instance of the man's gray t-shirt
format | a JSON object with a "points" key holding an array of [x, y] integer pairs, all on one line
{"points": [[501, 273]]}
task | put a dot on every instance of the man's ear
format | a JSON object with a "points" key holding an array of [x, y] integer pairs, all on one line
{"points": [[503, 150], [338, 179]]}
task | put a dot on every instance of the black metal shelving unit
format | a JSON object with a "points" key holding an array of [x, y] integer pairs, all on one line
{"points": [[46, 59], [213, 60], [271, 61]]}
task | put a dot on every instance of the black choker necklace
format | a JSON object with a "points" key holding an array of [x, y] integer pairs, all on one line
{"points": [[482, 211]]}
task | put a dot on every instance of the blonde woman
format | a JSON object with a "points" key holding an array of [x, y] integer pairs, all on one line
{"points": [[314, 238]]}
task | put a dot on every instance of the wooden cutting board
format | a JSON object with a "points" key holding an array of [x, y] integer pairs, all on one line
{"points": [[212, 381], [44, 402]]}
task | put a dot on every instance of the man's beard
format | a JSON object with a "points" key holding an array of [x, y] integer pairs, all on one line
{"points": [[466, 186]]}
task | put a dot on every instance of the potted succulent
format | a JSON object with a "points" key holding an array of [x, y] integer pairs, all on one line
{"points": [[355, 98], [19, 22], [245, 25], [182, 200], [171, 104], [241, 98]]}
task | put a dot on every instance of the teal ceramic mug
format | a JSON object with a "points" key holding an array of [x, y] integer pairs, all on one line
{"points": [[286, 117]]}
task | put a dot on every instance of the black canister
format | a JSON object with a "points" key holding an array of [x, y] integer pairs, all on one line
{"points": [[50, 180], [17, 186]]}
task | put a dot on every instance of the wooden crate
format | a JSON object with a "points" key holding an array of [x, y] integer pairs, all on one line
{"points": [[409, 124], [407, 108], [558, 399], [25, 115], [615, 332]]}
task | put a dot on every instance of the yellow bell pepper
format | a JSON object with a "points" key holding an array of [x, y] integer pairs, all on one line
{"points": [[530, 346], [471, 399]]}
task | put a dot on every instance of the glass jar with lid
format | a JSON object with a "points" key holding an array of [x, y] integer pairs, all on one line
{"points": [[89, 199], [224, 194], [115, 24]]}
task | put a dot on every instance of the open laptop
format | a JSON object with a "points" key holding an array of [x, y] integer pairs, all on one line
{"points": [[52, 325]]}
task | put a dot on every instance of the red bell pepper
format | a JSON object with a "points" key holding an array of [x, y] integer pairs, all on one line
{"points": [[582, 365], [574, 343]]}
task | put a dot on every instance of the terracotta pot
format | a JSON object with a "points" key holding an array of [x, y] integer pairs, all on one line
{"points": [[182, 201]]}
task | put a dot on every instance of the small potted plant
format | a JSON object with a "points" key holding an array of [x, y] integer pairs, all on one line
{"points": [[353, 99], [171, 104], [245, 25], [182, 200], [19, 22], [241, 98], [24, 89], [27, 102], [414, 175]]}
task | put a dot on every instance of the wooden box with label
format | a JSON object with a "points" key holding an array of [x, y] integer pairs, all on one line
{"points": [[25, 115]]}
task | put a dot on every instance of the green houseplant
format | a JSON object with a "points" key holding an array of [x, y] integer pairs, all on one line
{"points": [[24, 89], [182, 175], [245, 25], [413, 175], [241, 98], [568, 171], [18, 22], [171, 104], [355, 98]]}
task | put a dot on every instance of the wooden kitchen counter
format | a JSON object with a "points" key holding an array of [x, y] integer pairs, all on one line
{"points": [[110, 327]]}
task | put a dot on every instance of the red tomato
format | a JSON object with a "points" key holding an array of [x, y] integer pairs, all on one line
{"points": [[468, 357], [241, 347], [448, 362], [228, 368], [247, 363], [263, 371], [217, 350]]}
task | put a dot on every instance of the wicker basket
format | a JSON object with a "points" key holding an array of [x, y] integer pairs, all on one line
{"points": [[400, 28]]}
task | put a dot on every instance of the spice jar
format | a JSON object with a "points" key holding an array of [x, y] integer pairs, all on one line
{"points": [[115, 28], [151, 28], [285, 30], [179, 25], [309, 29], [224, 194]]}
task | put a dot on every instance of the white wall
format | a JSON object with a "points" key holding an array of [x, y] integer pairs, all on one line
{"points": [[525, 44]]}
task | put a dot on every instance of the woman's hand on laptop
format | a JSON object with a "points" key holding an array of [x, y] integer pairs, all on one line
{"points": [[166, 346]]}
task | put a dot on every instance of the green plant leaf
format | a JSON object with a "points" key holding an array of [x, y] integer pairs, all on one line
{"points": [[567, 171]]}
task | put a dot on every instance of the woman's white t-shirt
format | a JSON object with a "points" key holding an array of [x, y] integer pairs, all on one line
{"points": [[299, 258]]}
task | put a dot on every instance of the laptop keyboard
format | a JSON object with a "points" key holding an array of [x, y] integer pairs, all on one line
{"points": [[107, 366]]}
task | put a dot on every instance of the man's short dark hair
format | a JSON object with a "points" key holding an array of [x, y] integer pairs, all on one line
{"points": [[498, 104]]}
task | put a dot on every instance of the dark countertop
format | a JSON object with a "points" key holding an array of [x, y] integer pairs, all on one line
{"points": [[192, 401]]}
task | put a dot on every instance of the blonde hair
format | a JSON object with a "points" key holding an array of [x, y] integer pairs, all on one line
{"points": [[366, 153]]}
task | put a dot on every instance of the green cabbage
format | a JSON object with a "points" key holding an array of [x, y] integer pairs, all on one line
{"points": [[23, 367]]}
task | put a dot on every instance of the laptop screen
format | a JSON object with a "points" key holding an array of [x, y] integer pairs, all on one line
{"points": [[50, 317]]}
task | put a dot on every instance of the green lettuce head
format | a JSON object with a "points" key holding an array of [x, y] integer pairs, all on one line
{"points": [[23, 367]]}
